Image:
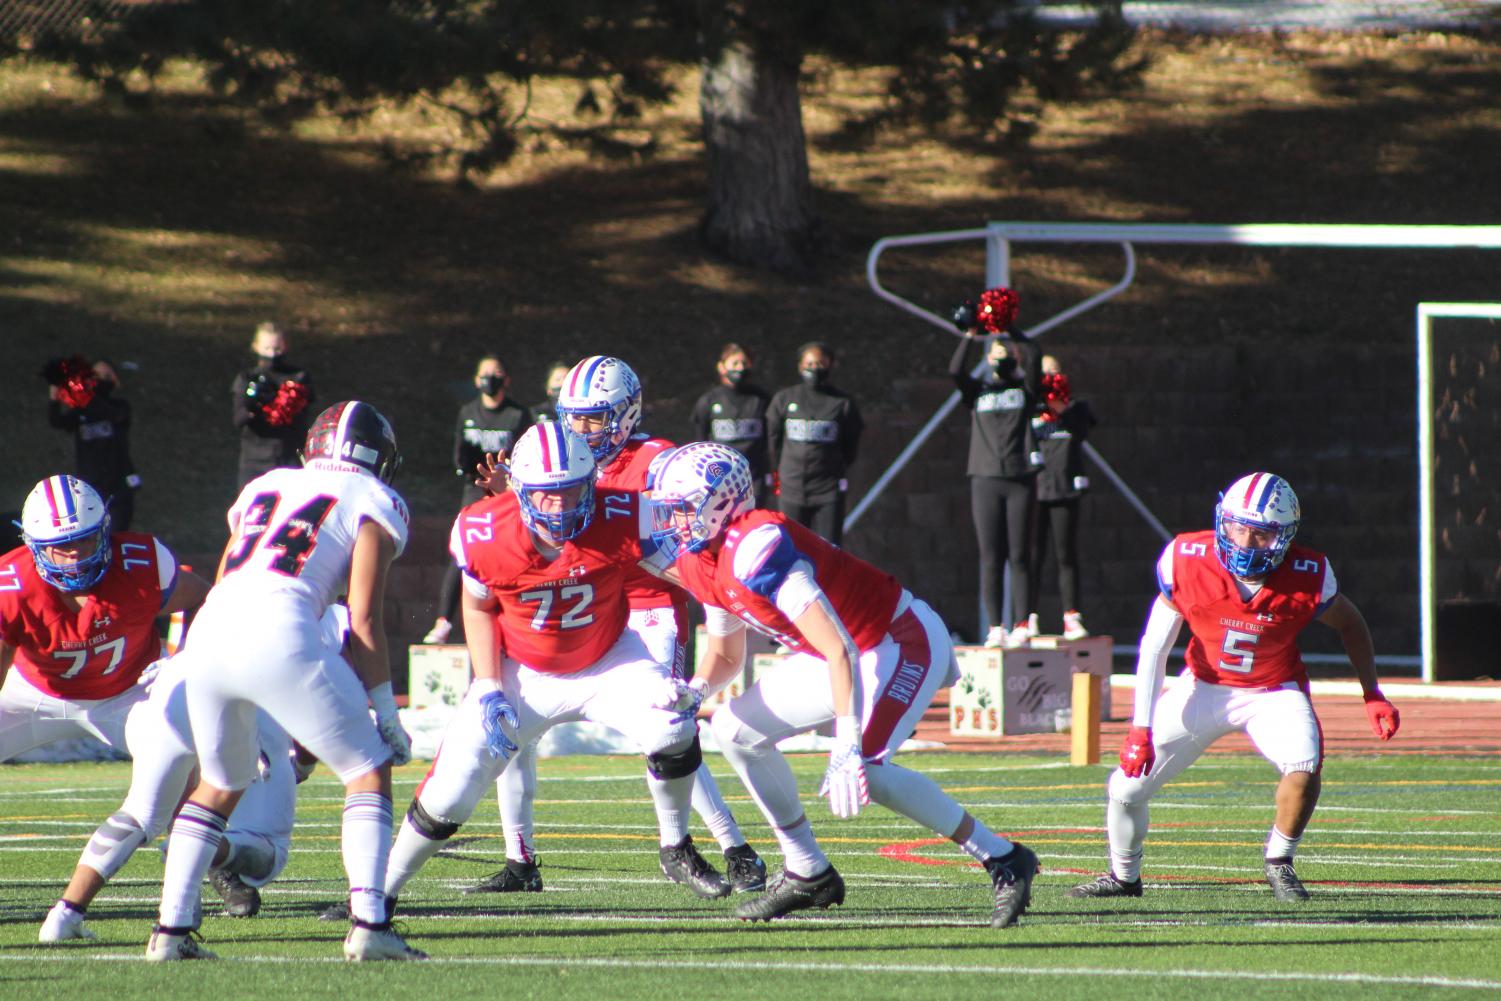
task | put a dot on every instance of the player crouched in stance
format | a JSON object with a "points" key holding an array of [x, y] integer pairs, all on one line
{"points": [[298, 539], [78, 609], [601, 401], [1246, 592], [547, 559], [867, 655]]}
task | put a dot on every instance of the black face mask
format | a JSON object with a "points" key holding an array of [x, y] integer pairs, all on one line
{"points": [[104, 388], [492, 385], [1003, 367], [734, 376], [814, 376]]}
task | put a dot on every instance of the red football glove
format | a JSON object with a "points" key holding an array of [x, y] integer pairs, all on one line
{"points": [[1137, 756], [1383, 716]]}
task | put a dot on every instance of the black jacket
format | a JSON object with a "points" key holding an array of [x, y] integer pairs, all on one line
{"points": [[480, 429], [813, 433], [1062, 444], [101, 441], [264, 446], [736, 416], [1000, 429]]}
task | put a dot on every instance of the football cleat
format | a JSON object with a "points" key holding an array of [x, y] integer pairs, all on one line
{"points": [[1286, 886], [340, 911], [439, 632], [1106, 886], [64, 924], [996, 637], [787, 893], [515, 877], [165, 947], [370, 943], [1073, 626], [1012, 878], [682, 863], [1018, 637], [241, 900], [745, 870]]}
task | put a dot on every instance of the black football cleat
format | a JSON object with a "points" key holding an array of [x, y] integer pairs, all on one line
{"points": [[1286, 886], [787, 893], [1106, 886], [241, 900], [682, 863], [745, 870], [1011, 876], [516, 877]]}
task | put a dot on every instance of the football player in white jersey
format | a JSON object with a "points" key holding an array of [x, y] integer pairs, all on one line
{"points": [[159, 736], [299, 538]]}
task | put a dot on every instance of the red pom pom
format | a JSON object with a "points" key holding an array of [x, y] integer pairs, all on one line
{"points": [[290, 400], [78, 383], [997, 309], [1055, 387]]}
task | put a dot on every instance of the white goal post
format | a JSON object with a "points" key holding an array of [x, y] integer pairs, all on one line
{"points": [[1000, 236], [1427, 554]]}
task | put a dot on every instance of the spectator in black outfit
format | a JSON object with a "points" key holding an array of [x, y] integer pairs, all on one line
{"points": [[1060, 429], [813, 429], [733, 413], [489, 423], [99, 418], [272, 406], [1002, 472], [548, 409]]}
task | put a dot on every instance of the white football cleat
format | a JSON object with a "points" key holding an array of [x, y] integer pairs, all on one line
{"points": [[64, 924], [1073, 626], [165, 947], [439, 632], [364, 944], [996, 637]]}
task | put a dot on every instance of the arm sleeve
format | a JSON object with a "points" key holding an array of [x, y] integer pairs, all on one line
{"points": [[774, 430], [458, 443], [1157, 641], [243, 413], [700, 418], [967, 384], [61, 416], [849, 433]]}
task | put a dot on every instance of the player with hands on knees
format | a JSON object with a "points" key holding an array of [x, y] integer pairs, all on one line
{"points": [[867, 655], [1246, 591]]}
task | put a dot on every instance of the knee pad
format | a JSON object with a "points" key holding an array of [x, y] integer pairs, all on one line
{"points": [[427, 825], [679, 765], [113, 843]]}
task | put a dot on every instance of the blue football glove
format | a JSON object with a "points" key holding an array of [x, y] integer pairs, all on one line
{"points": [[495, 709], [681, 698]]}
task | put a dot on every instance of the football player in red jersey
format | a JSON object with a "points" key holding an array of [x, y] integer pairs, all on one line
{"points": [[600, 399], [1246, 592], [78, 610], [545, 617], [867, 655]]}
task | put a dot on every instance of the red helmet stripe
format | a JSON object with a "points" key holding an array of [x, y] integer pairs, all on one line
{"points": [[60, 501], [1245, 502]]}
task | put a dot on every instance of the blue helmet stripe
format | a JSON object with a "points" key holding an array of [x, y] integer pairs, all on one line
{"points": [[1266, 495]]}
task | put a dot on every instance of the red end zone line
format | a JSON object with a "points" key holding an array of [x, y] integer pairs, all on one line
{"points": [[907, 851]]}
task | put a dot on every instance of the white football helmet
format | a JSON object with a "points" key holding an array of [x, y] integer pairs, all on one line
{"points": [[699, 490], [1260, 500], [551, 458], [602, 386], [65, 511]]}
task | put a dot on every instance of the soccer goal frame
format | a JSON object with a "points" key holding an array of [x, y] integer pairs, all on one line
{"points": [[999, 238], [1427, 550]]}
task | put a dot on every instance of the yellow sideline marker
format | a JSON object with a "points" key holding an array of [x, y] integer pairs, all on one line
{"points": [[1086, 720]]}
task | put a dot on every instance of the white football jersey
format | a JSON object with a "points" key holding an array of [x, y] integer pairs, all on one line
{"points": [[297, 529]]}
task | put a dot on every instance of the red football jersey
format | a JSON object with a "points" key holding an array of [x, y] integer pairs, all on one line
{"points": [[557, 616], [100, 650], [627, 471], [1238, 642], [863, 597]]}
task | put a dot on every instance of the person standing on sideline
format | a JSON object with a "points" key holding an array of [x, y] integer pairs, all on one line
{"points": [[813, 430], [867, 656], [1060, 429], [299, 538], [733, 413], [489, 423], [86, 400], [1246, 592], [1002, 472], [547, 410], [271, 405]]}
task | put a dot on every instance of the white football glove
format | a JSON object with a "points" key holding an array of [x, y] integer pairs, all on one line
{"points": [[682, 698], [844, 782], [388, 723]]}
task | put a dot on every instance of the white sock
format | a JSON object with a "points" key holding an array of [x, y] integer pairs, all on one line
{"points": [[1126, 827], [516, 790], [408, 855], [671, 798], [190, 850], [984, 844], [709, 804], [801, 855], [366, 846], [1279, 845]]}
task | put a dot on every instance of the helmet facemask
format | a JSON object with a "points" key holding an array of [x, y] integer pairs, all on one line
{"points": [[1262, 502], [605, 390], [699, 490], [549, 459], [63, 512]]}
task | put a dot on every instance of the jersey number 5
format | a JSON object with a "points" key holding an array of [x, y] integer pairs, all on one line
{"points": [[295, 537], [1239, 644]]}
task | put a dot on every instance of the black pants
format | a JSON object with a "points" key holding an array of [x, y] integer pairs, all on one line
{"points": [[825, 517], [1060, 519], [1002, 509]]}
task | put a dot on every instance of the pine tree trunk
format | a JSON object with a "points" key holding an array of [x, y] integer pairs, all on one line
{"points": [[760, 209]]}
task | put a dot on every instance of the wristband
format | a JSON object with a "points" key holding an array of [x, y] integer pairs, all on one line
{"points": [[485, 685], [847, 729]]}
